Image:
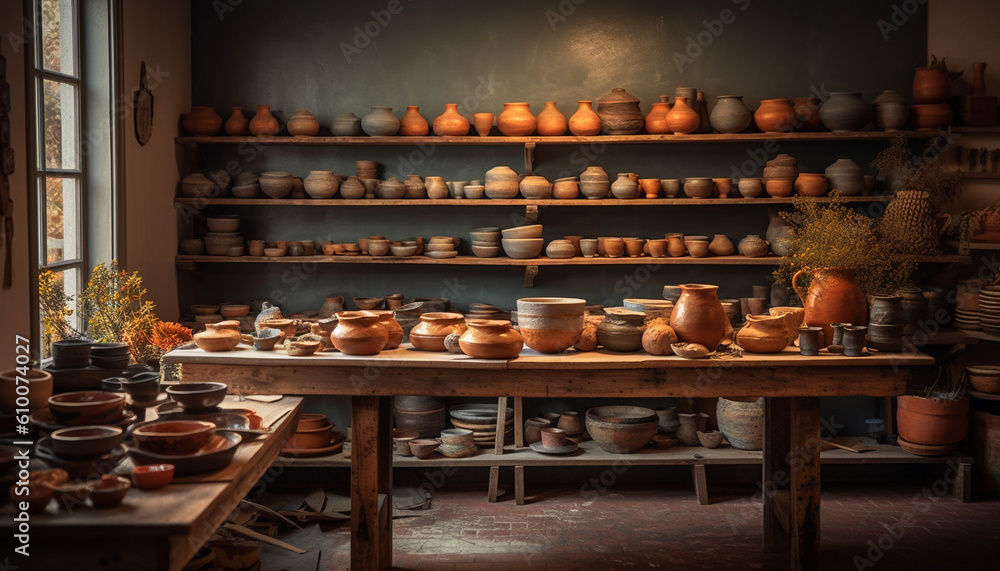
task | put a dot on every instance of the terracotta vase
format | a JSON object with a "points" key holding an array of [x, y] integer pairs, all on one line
{"points": [[931, 84], [690, 425], [698, 316], [491, 339], [594, 183], [516, 120], [656, 120], [621, 330], [675, 246], [932, 422], [763, 334], [483, 123], [730, 115], [501, 182], [237, 125], [380, 122], [551, 122], [392, 328], [624, 187], [807, 114], [451, 123], [413, 123], [834, 296], [435, 187], [682, 119], [202, 121], [619, 113], [585, 122], [302, 124], [741, 421], [359, 333], [845, 111], [263, 123], [429, 334], [774, 115], [721, 245], [217, 337]]}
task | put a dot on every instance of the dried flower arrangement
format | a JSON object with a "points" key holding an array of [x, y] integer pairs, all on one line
{"points": [[901, 169]]}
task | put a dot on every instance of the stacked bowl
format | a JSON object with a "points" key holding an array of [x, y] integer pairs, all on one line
{"points": [[485, 241], [989, 309], [426, 415], [441, 247], [522, 242], [481, 419]]}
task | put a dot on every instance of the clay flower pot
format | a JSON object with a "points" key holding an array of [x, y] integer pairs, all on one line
{"points": [[516, 120], [585, 122], [698, 316], [413, 124], [491, 339], [359, 333], [930, 422], [451, 123], [551, 122]]}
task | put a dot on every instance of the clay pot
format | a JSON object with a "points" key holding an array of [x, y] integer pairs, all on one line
{"points": [[845, 111], [413, 123], [560, 250], [390, 189], [414, 187], [202, 121], [380, 122], [500, 182], [690, 425], [585, 122], [763, 334], [436, 187], [810, 184], [656, 121], [698, 316], [846, 176], [932, 422], [741, 422], [550, 324], [451, 123], [931, 116], [352, 188], [533, 429], [891, 110], [550, 121], [359, 333], [534, 186], [237, 124], [681, 118], [429, 334], [566, 188], [807, 114], [624, 187], [887, 310], [701, 106], [931, 84], [516, 120], [594, 183], [621, 330], [676, 247], [392, 327], [491, 339], [780, 233], [331, 305], [721, 245], [619, 113], [263, 123], [346, 125], [302, 124], [620, 429], [321, 184], [730, 115], [483, 123], [833, 297], [753, 246], [775, 116], [217, 337]]}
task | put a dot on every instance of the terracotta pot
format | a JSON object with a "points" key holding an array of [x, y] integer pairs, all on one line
{"points": [[834, 296], [698, 316], [846, 176], [483, 123], [585, 121], [775, 116], [550, 324], [321, 184], [807, 114], [414, 187], [451, 123], [932, 422], [690, 425], [217, 337], [359, 333], [619, 113], [676, 247], [550, 121], [237, 125], [534, 186], [302, 124], [656, 120], [380, 122], [621, 330], [491, 339], [742, 422], [763, 334], [413, 123], [392, 328], [346, 125], [263, 123], [721, 245], [501, 182], [352, 188], [594, 183], [566, 188], [621, 436], [753, 246], [730, 115], [681, 118], [516, 120], [436, 187], [931, 116], [811, 184], [429, 334], [390, 189], [845, 111], [202, 121], [931, 84], [533, 429]]}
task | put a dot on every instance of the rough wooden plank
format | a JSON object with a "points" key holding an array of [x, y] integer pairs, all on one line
{"points": [[498, 442], [519, 485], [494, 485], [384, 475], [365, 484], [805, 483], [780, 501], [575, 203], [518, 423], [774, 473], [700, 483], [963, 482]]}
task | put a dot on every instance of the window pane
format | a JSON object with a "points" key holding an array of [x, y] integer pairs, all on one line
{"points": [[59, 114], [64, 291], [62, 219], [58, 36]]}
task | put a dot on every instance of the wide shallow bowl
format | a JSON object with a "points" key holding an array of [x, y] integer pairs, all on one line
{"points": [[80, 442], [223, 223], [172, 437], [625, 414], [205, 309], [984, 378], [491, 236], [480, 414], [109, 491], [234, 310], [87, 407], [620, 437], [522, 248], [109, 350], [198, 396], [152, 476], [423, 447], [215, 455], [38, 496], [529, 231]]}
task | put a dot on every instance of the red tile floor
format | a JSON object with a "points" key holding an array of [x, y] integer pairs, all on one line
{"points": [[864, 526]]}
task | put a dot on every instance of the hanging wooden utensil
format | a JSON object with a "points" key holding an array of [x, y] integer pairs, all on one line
{"points": [[143, 108]]}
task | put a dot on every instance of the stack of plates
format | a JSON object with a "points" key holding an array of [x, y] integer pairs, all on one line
{"points": [[965, 319], [989, 309], [481, 419]]}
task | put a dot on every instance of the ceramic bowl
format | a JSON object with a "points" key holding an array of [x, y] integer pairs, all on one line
{"points": [[492, 236], [530, 231], [780, 187], [984, 378], [750, 187], [301, 348], [109, 350], [229, 223], [481, 251], [449, 247], [368, 302], [690, 350], [71, 495], [192, 247], [402, 251], [276, 184], [109, 491], [246, 190], [710, 439], [204, 309], [87, 407], [810, 184], [80, 442], [522, 248], [423, 447], [206, 319], [38, 496], [699, 187], [197, 186], [266, 339], [274, 252], [621, 429], [234, 310], [174, 437], [194, 397], [144, 387], [311, 437], [152, 476]]}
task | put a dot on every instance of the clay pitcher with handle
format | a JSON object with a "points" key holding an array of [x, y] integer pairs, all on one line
{"points": [[834, 296]]}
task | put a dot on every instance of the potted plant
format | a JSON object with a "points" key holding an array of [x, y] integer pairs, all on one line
{"points": [[935, 420]]}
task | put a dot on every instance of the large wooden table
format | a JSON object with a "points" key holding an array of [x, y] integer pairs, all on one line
{"points": [[791, 384], [158, 529]]}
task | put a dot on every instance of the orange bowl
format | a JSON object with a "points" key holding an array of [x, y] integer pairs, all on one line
{"points": [[152, 476]]}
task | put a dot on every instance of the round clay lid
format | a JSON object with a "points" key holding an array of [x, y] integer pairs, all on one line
{"points": [[618, 95]]}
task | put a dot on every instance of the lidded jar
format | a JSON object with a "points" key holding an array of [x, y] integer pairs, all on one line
{"points": [[619, 113], [429, 334], [359, 333]]}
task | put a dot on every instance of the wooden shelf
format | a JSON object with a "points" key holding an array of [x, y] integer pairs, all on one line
{"points": [[979, 175], [975, 245], [603, 202], [564, 140], [980, 130], [982, 335]]}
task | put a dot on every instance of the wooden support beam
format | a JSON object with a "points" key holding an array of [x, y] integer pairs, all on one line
{"points": [[700, 483]]}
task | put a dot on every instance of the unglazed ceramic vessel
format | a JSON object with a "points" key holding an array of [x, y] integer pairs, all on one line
{"points": [[619, 113], [302, 124], [380, 122], [833, 296], [681, 118], [621, 329], [551, 122], [237, 124], [451, 123], [775, 115], [763, 334], [359, 333], [698, 316], [730, 115], [413, 123], [430, 333], [516, 120], [585, 122], [550, 324], [845, 111], [491, 339], [202, 121], [263, 123], [392, 328]]}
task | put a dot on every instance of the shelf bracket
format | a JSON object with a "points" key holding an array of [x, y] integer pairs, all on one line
{"points": [[531, 214], [529, 157], [530, 273]]}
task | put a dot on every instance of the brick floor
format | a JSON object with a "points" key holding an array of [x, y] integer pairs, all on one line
{"points": [[864, 526]]}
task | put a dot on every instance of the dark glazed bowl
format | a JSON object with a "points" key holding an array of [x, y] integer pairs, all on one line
{"points": [[81, 442], [195, 397]]}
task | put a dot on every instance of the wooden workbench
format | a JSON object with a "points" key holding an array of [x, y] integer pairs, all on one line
{"points": [[791, 384]]}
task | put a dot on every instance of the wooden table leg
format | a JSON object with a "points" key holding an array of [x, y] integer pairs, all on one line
{"points": [[371, 483], [774, 477], [805, 480]]}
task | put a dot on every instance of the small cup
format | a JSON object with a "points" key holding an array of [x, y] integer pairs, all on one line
{"points": [[588, 247], [553, 437], [614, 247], [810, 339], [854, 340], [670, 186], [256, 247], [634, 246], [837, 342]]}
